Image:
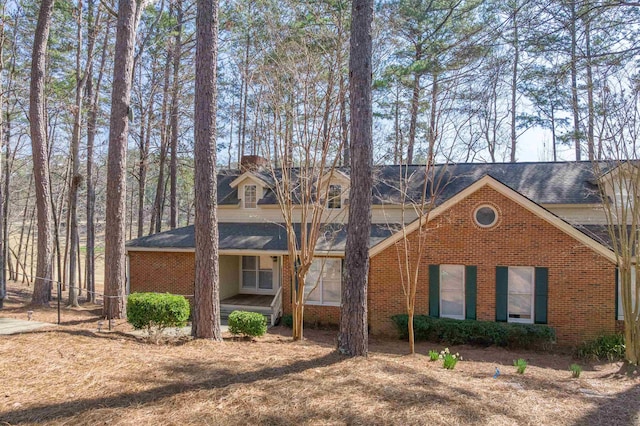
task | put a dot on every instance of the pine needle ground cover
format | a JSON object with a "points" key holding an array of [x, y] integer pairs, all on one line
{"points": [[74, 374]]}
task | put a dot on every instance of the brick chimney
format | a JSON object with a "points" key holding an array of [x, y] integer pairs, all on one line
{"points": [[252, 162]]}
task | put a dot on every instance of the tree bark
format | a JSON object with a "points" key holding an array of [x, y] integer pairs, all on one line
{"points": [[353, 339], [114, 255], [206, 312], [514, 82], [41, 288], [175, 93]]}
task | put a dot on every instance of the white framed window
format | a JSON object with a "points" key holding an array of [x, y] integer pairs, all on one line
{"points": [[485, 216], [324, 282], [334, 197], [257, 273], [633, 294], [452, 291], [521, 294], [250, 196]]}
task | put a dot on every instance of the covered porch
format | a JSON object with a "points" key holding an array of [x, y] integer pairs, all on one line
{"points": [[251, 282]]}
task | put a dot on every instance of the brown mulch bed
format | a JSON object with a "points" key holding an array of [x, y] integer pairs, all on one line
{"points": [[71, 374]]}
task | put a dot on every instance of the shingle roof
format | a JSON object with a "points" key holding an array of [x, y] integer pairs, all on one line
{"points": [[258, 237], [543, 183]]}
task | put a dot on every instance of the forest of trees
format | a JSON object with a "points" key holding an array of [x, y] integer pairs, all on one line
{"points": [[454, 80]]}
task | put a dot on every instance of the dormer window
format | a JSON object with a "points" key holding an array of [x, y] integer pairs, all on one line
{"points": [[334, 197], [250, 196]]}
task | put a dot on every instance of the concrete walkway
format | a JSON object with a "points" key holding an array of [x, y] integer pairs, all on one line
{"points": [[14, 326]]}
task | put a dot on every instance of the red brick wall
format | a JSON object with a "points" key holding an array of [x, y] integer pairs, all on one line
{"points": [[162, 272], [581, 301]]}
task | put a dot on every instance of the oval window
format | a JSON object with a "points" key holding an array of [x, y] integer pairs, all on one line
{"points": [[486, 216]]}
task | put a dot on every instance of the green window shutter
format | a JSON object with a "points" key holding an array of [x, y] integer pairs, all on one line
{"points": [[541, 295], [471, 291], [434, 290], [617, 290], [502, 292]]}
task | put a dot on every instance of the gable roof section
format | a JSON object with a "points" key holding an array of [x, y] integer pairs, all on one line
{"points": [[514, 196], [250, 176], [543, 183]]}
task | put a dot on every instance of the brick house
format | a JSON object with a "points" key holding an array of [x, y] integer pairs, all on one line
{"points": [[518, 242]]}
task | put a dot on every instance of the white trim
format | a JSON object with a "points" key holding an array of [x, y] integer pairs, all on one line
{"points": [[319, 286], [513, 196], [533, 296], [244, 195], [247, 175], [495, 216], [464, 292]]}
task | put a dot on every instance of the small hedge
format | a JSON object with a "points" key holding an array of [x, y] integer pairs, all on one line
{"points": [[484, 333], [149, 310], [287, 321], [609, 347], [251, 324]]}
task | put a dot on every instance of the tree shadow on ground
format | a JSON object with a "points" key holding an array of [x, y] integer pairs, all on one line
{"points": [[620, 409], [219, 378]]}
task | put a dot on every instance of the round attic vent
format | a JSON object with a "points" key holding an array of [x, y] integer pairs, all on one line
{"points": [[485, 216]]}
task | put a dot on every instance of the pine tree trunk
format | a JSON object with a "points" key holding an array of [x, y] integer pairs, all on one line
{"points": [[206, 312], [114, 255], [175, 93], [37, 122], [353, 339]]}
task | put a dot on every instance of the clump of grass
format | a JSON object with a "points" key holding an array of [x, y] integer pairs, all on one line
{"points": [[449, 360], [575, 370], [520, 365], [434, 355]]}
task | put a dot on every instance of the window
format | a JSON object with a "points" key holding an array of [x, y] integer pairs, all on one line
{"points": [[521, 293], [485, 216], [335, 197], [452, 291], [250, 196], [257, 273], [324, 282], [620, 310]]}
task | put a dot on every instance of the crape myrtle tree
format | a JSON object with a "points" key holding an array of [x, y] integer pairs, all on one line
{"points": [[301, 103], [619, 181]]}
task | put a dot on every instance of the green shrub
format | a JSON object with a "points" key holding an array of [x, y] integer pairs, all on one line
{"points": [[608, 347], [251, 324], [575, 370], [434, 355], [287, 320], [449, 360], [157, 311], [483, 333], [520, 365]]}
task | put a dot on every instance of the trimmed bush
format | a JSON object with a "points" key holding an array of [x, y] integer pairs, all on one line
{"points": [[608, 347], [287, 321], [251, 324], [156, 310], [482, 333]]}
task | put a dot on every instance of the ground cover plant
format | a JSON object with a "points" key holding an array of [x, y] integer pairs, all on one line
{"points": [[85, 377]]}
